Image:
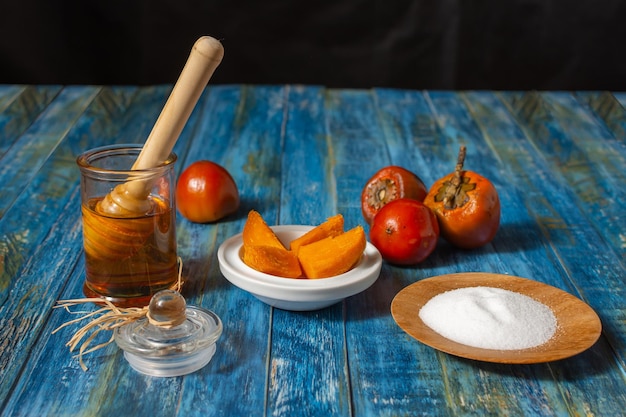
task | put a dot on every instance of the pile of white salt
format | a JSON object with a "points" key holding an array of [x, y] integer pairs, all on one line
{"points": [[489, 318]]}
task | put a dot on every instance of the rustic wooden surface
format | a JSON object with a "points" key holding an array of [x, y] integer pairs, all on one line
{"points": [[299, 155]]}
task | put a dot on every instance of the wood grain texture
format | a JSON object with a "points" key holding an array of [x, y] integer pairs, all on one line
{"points": [[569, 138], [26, 155], [299, 155], [19, 109], [438, 143], [571, 239], [319, 381]]}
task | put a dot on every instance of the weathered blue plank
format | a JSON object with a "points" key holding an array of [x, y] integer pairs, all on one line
{"points": [[620, 96], [517, 232], [21, 162], [308, 192], [356, 139], [438, 374], [41, 202], [209, 137], [131, 387], [407, 118], [597, 280], [52, 205], [608, 108], [238, 340], [257, 137], [359, 152], [300, 154], [254, 159], [109, 386], [319, 386], [206, 137], [20, 112], [242, 351], [8, 93], [584, 152]]}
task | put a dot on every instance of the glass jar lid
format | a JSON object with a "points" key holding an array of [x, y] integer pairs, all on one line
{"points": [[172, 340]]}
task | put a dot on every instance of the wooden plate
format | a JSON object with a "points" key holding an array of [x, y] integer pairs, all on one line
{"points": [[578, 326]]}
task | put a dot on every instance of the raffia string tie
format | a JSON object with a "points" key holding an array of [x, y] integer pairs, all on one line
{"points": [[106, 318]]}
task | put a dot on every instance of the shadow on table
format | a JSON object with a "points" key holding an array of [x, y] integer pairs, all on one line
{"points": [[517, 237]]}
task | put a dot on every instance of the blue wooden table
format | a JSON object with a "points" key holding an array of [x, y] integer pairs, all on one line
{"points": [[300, 155]]}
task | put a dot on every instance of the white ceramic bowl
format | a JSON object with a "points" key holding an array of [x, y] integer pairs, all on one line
{"points": [[297, 294]]}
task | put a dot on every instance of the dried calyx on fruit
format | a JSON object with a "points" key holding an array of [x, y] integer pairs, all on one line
{"points": [[453, 194]]}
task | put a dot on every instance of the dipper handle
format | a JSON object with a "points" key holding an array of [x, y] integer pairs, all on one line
{"points": [[205, 56], [131, 197]]}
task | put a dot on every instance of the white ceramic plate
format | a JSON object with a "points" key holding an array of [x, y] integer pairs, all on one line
{"points": [[297, 294]]}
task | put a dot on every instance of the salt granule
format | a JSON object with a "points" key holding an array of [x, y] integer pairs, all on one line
{"points": [[489, 318]]}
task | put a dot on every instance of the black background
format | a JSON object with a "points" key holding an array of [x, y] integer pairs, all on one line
{"points": [[447, 44]]}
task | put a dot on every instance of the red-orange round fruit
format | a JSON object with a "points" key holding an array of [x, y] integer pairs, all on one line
{"points": [[467, 207], [206, 192], [388, 184], [405, 232]]}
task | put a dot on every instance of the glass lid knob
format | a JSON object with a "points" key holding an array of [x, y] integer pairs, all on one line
{"points": [[167, 308]]}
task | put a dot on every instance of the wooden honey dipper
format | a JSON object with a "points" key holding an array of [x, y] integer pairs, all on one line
{"points": [[131, 197], [106, 238]]}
